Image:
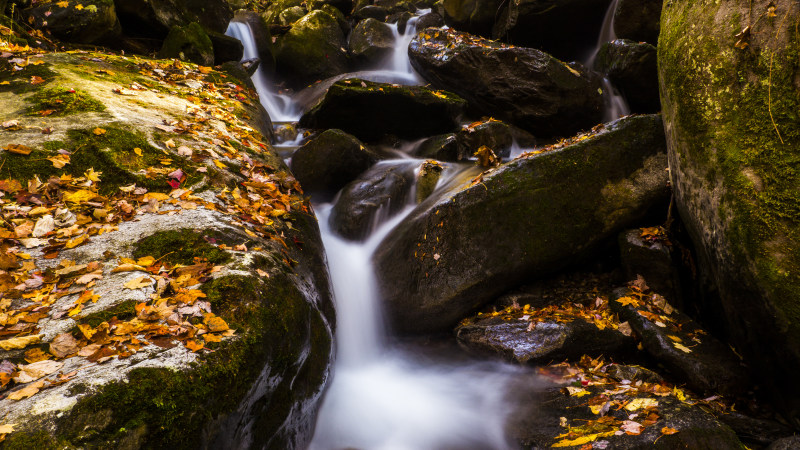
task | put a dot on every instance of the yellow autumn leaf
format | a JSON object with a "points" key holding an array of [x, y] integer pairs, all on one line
{"points": [[72, 243], [97, 131], [63, 4], [668, 430], [138, 151], [639, 403], [74, 311], [215, 323], [219, 164], [576, 391], [682, 347], [127, 267], [20, 342], [155, 196], [582, 440], [139, 283], [79, 7], [92, 175], [59, 161], [27, 391], [679, 394], [79, 196], [7, 428], [146, 261], [625, 301]]}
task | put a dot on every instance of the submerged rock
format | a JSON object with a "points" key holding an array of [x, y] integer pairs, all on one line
{"points": [[328, 162], [526, 219], [371, 110], [524, 86], [730, 114], [313, 49], [428, 176], [631, 67], [378, 193], [171, 311]]}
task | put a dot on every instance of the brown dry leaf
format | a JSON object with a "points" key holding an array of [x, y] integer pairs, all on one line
{"points": [[193, 345], [28, 391], [18, 149], [127, 267], [64, 345], [7, 428], [668, 430], [89, 277], [41, 368], [138, 283], [625, 301], [214, 323], [35, 355], [59, 161], [625, 328], [20, 342], [72, 243], [89, 350]]}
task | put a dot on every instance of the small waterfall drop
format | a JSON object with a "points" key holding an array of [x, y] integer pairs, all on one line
{"points": [[280, 107], [615, 105]]}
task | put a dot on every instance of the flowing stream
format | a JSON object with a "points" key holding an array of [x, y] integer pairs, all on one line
{"points": [[385, 395], [615, 104]]}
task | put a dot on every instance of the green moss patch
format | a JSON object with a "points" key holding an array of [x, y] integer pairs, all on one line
{"points": [[21, 81], [182, 247], [61, 101]]}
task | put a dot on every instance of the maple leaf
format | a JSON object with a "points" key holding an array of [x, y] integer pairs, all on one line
{"points": [[138, 283], [20, 342], [193, 345], [59, 161], [625, 301], [668, 430], [99, 131], [79, 196], [63, 4]]}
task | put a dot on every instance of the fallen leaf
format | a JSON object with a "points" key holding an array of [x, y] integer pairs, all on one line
{"points": [[639, 403], [215, 323], [138, 283], [632, 428], [20, 342], [72, 243], [625, 328], [7, 428], [64, 345], [99, 131], [193, 345], [28, 391], [35, 355], [59, 161], [682, 347], [625, 301], [582, 440], [668, 430], [18, 149], [138, 151], [79, 196]]}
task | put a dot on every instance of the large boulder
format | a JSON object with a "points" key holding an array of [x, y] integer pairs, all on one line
{"points": [[163, 283], [565, 28], [631, 67], [261, 37], [371, 42], [638, 20], [189, 43], [155, 18], [328, 162], [524, 86], [313, 49], [371, 110], [729, 95], [523, 220], [88, 22]]}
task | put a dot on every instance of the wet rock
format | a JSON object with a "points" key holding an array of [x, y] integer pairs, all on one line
{"points": [[757, 433], [189, 43], [226, 48], [547, 341], [570, 200], [371, 42], [291, 15], [156, 19], [679, 344], [646, 253], [524, 86], [472, 16], [544, 25], [328, 162], [381, 190], [443, 147], [371, 12], [638, 20], [430, 20], [631, 67], [401, 19], [787, 443], [428, 176], [370, 110], [738, 205], [344, 6], [261, 38], [344, 24], [547, 416], [271, 14], [497, 135], [313, 49], [95, 23]]}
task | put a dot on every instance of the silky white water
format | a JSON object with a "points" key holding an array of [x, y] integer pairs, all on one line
{"points": [[615, 105]]}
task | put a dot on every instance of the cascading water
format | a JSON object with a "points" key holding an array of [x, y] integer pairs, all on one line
{"points": [[280, 107], [615, 105]]}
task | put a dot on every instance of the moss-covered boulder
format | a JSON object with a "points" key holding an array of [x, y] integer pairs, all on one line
{"points": [[473, 16], [565, 28], [189, 43], [261, 37], [163, 283], [272, 12], [631, 67], [526, 219], [329, 161], [378, 13], [378, 193], [84, 22], [313, 49], [729, 83], [371, 42], [371, 110], [155, 19], [638, 20], [524, 86], [226, 48]]}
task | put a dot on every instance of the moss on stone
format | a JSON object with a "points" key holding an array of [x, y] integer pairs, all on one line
{"points": [[182, 246], [60, 101], [122, 311], [189, 43], [19, 81], [39, 440]]}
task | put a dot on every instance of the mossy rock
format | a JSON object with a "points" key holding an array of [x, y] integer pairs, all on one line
{"points": [[631, 67], [189, 43], [525, 219], [371, 110], [271, 14], [371, 42], [184, 246], [61, 101], [473, 16], [313, 49], [731, 117], [638, 20]]}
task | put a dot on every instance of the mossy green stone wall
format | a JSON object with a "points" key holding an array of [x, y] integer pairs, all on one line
{"points": [[732, 118]]}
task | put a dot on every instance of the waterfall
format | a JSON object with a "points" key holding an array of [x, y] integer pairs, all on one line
{"points": [[614, 104]]}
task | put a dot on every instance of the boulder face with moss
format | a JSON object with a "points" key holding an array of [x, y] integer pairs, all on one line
{"points": [[314, 49], [88, 22], [189, 43], [162, 280], [729, 83], [527, 218]]}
